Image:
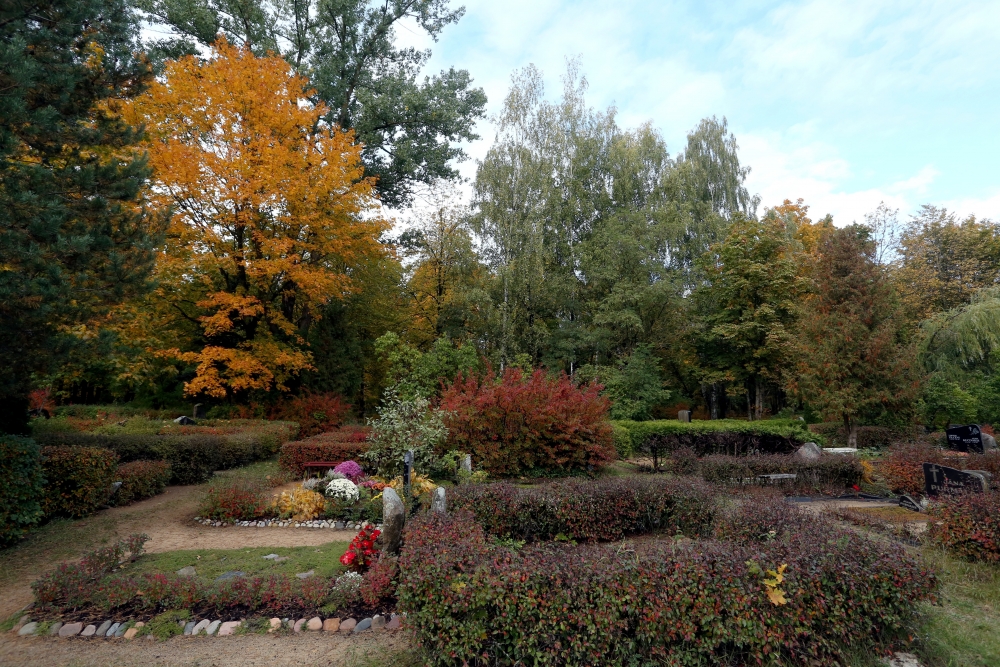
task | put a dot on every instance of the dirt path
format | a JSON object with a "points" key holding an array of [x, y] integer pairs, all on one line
{"points": [[243, 651], [166, 518]]}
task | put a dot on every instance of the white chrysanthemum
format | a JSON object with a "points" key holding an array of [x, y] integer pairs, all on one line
{"points": [[342, 489]]}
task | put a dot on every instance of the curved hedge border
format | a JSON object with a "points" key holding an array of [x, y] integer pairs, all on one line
{"points": [[473, 602], [717, 436], [21, 487]]}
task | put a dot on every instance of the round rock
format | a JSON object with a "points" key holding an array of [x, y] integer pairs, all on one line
{"points": [[363, 625], [71, 629], [347, 625], [27, 629], [89, 631], [331, 625], [315, 624]]}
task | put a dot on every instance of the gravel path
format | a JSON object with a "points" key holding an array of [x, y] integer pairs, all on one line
{"points": [[312, 649]]}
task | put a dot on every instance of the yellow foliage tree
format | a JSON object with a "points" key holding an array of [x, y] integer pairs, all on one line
{"points": [[270, 213]]}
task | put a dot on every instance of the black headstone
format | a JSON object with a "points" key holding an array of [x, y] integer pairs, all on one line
{"points": [[941, 480], [908, 503], [407, 469], [967, 438]]}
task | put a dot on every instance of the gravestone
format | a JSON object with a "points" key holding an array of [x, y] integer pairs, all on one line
{"points": [[942, 480], [407, 469], [810, 451], [967, 438], [393, 519], [989, 442], [438, 501], [684, 416], [467, 463], [197, 412], [908, 503]]}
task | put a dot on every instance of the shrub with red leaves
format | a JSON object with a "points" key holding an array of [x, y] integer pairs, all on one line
{"points": [[523, 423], [361, 551], [968, 525], [141, 479], [240, 499], [902, 466], [343, 444], [379, 582], [315, 412]]}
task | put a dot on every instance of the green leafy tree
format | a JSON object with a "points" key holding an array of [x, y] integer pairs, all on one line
{"points": [[858, 356], [947, 403], [749, 309], [410, 128], [635, 386], [411, 373], [74, 238]]}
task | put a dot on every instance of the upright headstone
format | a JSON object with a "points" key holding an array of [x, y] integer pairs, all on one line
{"points": [[196, 413], [467, 463], [684, 415], [393, 519], [407, 469], [438, 501], [967, 438], [941, 480], [810, 451]]}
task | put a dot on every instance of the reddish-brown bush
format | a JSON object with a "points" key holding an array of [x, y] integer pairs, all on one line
{"points": [[77, 479], [968, 526], [315, 412], [524, 423], [141, 479], [343, 444], [902, 467], [239, 499]]}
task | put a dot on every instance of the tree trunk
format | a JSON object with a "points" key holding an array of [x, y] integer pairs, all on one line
{"points": [[851, 426]]}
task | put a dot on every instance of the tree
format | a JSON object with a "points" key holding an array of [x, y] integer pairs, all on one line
{"points": [[748, 306], [409, 129], [856, 359], [271, 214], [74, 238]]}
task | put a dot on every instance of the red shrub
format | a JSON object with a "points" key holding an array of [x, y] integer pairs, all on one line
{"points": [[237, 500], [902, 467], [528, 423], [315, 412], [968, 526], [346, 443], [379, 583]]}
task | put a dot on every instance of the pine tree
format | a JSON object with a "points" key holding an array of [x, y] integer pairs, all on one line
{"points": [[74, 238]]}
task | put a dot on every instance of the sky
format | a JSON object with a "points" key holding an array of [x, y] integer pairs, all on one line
{"points": [[845, 104]]}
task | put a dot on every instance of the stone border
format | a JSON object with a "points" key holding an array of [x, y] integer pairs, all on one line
{"points": [[127, 630], [277, 523]]}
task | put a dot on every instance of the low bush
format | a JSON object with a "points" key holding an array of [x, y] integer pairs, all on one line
{"points": [[314, 412], [869, 437], [237, 499], [379, 582], [719, 436], [70, 584], [791, 590], [901, 467], [968, 526], [77, 479], [603, 509], [518, 423], [21, 487], [344, 444], [831, 472], [141, 479]]}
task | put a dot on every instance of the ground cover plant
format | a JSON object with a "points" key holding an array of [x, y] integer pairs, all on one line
{"points": [[770, 586], [968, 526]]}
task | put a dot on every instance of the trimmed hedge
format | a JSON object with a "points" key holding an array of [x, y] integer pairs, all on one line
{"points": [[869, 437], [831, 471], [21, 487], [77, 479], [194, 452], [344, 444], [602, 509], [141, 479], [471, 601], [968, 526], [717, 436]]}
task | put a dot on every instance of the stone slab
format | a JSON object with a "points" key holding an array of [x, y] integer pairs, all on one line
{"points": [[275, 624], [941, 480], [122, 629], [298, 625], [189, 627], [102, 629], [228, 628]]}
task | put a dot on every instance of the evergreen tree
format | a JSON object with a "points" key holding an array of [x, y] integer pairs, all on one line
{"points": [[857, 359], [74, 238]]}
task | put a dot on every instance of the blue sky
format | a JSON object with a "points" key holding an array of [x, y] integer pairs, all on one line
{"points": [[842, 103]]}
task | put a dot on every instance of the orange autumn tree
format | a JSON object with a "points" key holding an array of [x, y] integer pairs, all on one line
{"points": [[270, 213]]}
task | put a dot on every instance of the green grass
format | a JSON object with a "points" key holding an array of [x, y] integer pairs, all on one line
{"points": [[964, 630], [324, 560]]}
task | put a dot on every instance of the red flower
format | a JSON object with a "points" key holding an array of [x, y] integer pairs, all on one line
{"points": [[367, 544]]}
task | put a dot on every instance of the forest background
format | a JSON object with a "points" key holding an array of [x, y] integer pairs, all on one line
{"points": [[208, 218]]}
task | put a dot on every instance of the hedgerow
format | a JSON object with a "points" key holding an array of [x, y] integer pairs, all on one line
{"points": [[968, 526], [869, 437], [141, 479], [520, 423], [718, 436], [603, 509], [77, 479], [471, 601], [21, 487], [830, 472], [344, 444]]}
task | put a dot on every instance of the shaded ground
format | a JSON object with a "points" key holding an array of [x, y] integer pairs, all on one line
{"points": [[314, 649]]}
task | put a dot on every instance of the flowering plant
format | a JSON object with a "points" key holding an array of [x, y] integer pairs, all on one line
{"points": [[350, 470], [299, 504], [361, 552], [373, 484], [343, 490]]}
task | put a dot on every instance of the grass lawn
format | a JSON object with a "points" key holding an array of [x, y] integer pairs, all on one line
{"points": [[964, 630], [324, 560]]}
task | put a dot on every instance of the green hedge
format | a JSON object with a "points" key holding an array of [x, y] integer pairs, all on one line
{"points": [[77, 479], [21, 487], [718, 436], [141, 479], [832, 472]]}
